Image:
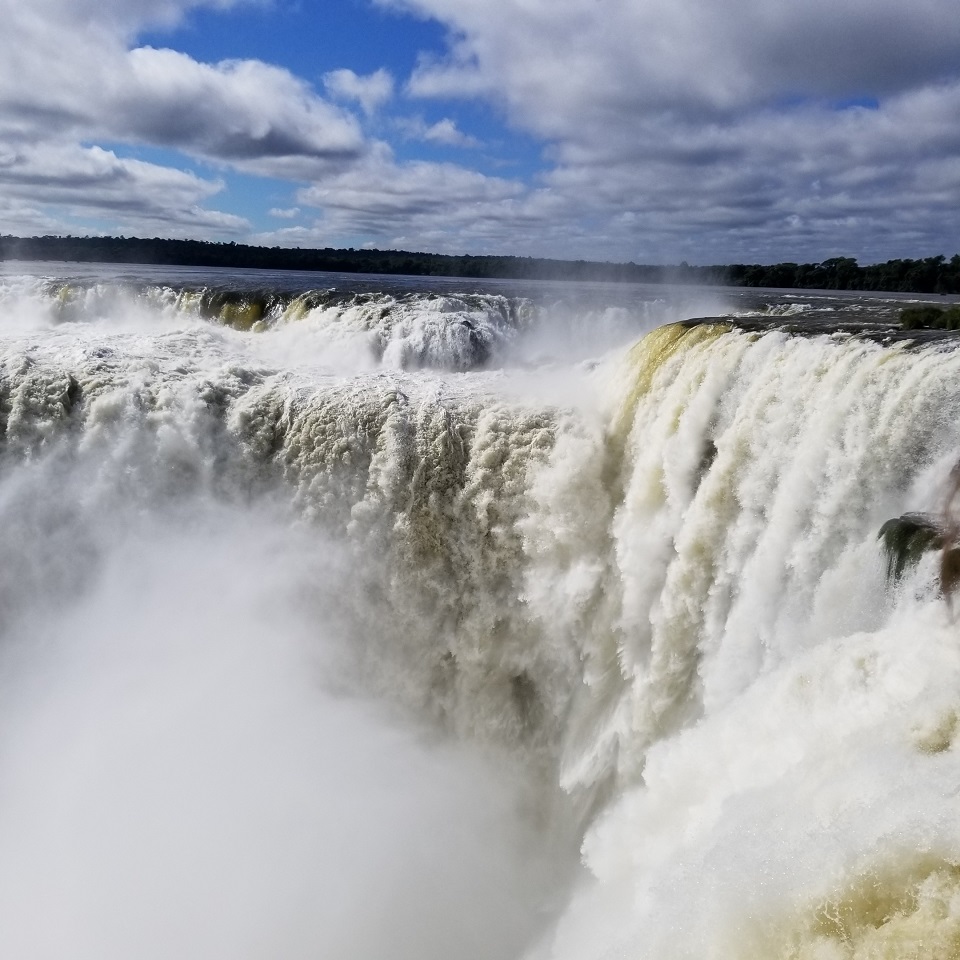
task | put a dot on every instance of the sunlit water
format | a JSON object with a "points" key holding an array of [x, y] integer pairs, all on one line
{"points": [[380, 617]]}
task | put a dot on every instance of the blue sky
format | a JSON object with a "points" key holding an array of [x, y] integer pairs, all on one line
{"points": [[308, 38], [700, 130], [314, 40]]}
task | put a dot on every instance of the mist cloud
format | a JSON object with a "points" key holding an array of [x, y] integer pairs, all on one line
{"points": [[181, 779]]}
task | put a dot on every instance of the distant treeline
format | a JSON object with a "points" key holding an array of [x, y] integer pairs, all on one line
{"points": [[930, 275], [930, 318]]}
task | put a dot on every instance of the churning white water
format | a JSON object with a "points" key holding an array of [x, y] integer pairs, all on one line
{"points": [[362, 619]]}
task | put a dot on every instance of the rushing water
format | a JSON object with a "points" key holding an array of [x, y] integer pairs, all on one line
{"points": [[381, 617]]}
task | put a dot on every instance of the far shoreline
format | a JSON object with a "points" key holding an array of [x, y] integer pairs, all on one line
{"points": [[931, 275]]}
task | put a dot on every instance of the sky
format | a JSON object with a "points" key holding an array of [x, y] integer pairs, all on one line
{"points": [[653, 131]]}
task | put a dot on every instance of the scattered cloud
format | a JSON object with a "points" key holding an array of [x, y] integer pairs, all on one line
{"points": [[242, 111], [92, 182], [68, 77], [430, 206], [705, 130], [380, 187], [709, 122], [371, 92], [444, 132], [630, 56]]}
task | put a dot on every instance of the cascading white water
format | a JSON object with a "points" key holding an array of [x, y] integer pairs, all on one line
{"points": [[781, 717], [647, 589]]}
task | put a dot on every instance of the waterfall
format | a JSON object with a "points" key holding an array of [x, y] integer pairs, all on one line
{"points": [[635, 604]]}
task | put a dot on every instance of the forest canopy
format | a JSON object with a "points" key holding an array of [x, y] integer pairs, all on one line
{"points": [[928, 275]]}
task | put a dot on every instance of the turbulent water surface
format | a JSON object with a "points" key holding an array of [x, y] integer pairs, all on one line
{"points": [[381, 617]]}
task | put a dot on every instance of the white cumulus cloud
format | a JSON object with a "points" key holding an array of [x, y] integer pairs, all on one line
{"points": [[432, 206], [708, 120], [371, 91], [444, 132], [705, 130], [69, 76], [91, 182]]}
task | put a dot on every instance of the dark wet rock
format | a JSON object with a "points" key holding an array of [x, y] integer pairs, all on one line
{"points": [[72, 394], [906, 539], [836, 324], [707, 457]]}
